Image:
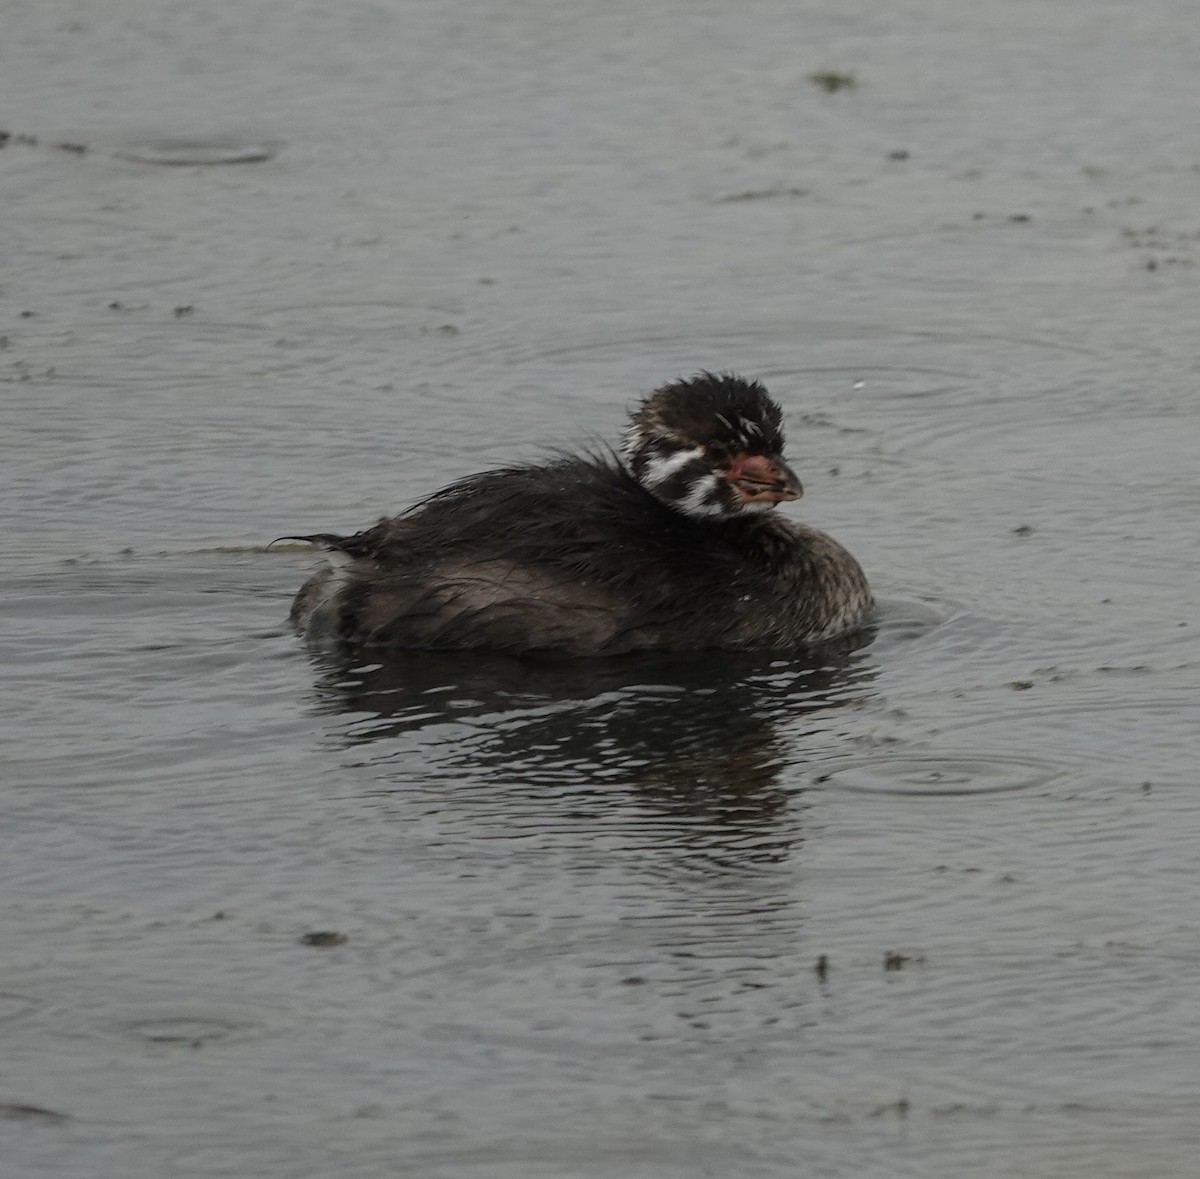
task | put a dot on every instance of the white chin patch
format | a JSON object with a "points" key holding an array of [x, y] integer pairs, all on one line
{"points": [[756, 505], [702, 498], [660, 468]]}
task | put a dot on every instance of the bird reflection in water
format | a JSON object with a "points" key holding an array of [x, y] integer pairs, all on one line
{"points": [[699, 750]]}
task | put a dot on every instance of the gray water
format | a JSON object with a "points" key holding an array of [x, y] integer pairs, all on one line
{"points": [[924, 907]]}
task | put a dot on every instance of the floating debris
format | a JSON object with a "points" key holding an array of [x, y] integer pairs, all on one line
{"points": [[833, 80], [7, 137], [324, 938]]}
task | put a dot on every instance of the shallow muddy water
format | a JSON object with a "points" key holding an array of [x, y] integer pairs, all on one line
{"points": [[923, 906]]}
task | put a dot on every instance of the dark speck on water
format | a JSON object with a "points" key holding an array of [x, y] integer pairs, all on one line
{"points": [[324, 938], [833, 80]]}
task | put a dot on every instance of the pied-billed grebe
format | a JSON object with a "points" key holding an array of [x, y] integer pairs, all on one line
{"points": [[675, 549]]}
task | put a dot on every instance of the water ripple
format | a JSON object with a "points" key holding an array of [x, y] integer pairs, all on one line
{"points": [[939, 775], [197, 152]]}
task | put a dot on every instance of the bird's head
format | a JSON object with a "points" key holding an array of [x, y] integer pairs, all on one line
{"points": [[711, 447]]}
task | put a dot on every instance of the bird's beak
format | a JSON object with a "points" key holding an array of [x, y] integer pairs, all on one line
{"points": [[762, 479]]}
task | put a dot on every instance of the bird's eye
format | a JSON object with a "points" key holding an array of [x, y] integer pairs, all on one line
{"points": [[718, 453]]}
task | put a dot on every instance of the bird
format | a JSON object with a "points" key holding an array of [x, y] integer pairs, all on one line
{"points": [[672, 544]]}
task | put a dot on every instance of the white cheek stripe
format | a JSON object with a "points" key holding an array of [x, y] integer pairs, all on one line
{"points": [[659, 470]]}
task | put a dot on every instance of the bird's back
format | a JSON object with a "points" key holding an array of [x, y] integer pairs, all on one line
{"points": [[576, 557]]}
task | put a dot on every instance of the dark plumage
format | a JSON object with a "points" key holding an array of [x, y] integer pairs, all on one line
{"points": [[676, 550]]}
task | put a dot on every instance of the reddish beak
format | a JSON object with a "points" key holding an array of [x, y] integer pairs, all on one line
{"points": [[763, 480]]}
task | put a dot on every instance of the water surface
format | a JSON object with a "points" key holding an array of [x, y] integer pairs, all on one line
{"points": [[919, 906]]}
